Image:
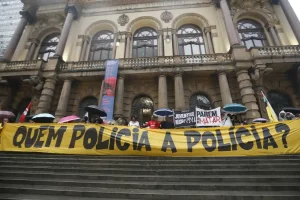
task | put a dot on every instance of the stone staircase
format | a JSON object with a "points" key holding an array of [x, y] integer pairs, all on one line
{"points": [[25, 176]]}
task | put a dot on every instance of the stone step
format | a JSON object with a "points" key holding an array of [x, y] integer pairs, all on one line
{"points": [[148, 194], [50, 155], [120, 170], [46, 197], [149, 165], [141, 184], [161, 160], [167, 178]]}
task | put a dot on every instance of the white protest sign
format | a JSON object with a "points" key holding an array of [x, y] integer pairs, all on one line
{"points": [[208, 117]]}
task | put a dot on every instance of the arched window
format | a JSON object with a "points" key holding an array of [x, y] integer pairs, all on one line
{"points": [[142, 108], [190, 40], [201, 101], [279, 100], [144, 43], [86, 102], [102, 46], [252, 33], [48, 47]]}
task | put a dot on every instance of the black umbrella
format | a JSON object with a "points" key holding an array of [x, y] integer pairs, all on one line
{"points": [[292, 110], [95, 110]]}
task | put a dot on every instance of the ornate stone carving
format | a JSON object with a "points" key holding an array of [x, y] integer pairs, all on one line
{"points": [[123, 20], [258, 7], [166, 16], [48, 20]]}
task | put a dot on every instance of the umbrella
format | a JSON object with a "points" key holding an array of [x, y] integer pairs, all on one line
{"points": [[95, 110], [163, 112], [235, 108], [43, 118], [68, 119], [292, 110], [6, 114], [263, 120]]}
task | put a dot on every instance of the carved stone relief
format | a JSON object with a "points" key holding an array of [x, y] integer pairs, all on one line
{"points": [[166, 16], [258, 6], [48, 20], [123, 20]]}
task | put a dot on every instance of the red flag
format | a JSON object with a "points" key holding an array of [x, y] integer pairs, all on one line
{"points": [[23, 116]]}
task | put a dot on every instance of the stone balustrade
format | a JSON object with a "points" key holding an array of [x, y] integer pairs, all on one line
{"points": [[280, 51], [23, 65], [150, 62], [83, 66]]}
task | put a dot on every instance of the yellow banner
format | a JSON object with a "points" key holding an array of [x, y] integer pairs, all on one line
{"points": [[91, 139]]}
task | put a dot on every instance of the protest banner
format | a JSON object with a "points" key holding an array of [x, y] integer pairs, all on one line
{"points": [[184, 119], [91, 139], [110, 80], [208, 117]]}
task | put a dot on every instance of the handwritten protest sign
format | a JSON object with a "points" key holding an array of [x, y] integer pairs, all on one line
{"points": [[184, 119], [208, 117]]}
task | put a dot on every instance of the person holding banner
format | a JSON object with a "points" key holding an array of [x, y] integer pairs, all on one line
{"points": [[167, 124], [134, 122], [152, 124]]}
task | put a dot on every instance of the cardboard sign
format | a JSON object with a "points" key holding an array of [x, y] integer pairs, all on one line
{"points": [[208, 117]]}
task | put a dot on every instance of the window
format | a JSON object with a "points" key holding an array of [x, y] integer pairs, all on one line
{"points": [[201, 101], [144, 43], [142, 108], [190, 40], [252, 33], [279, 101], [102, 46], [48, 47], [88, 101]]}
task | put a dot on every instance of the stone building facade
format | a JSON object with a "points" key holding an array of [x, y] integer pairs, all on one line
{"points": [[173, 53]]}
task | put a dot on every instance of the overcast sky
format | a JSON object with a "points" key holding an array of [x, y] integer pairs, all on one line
{"points": [[296, 6]]}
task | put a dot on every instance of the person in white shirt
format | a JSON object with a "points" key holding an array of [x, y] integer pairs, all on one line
{"points": [[134, 122]]}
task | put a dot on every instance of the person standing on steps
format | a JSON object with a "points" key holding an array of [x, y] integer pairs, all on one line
{"points": [[134, 122]]}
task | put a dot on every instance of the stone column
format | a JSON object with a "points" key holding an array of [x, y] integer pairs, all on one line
{"points": [[119, 97], [61, 110], [247, 94], [15, 39], [160, 43], [85, 42], [34, 44], [179, 92], [224, 88], [230, 28], [113, 56], [162, 92], [257, 76], [207, 32], [65, 33], [128, 46], [205, 42], [101, 94], [274, 35], [46, 96], [291, 17], [175, 42]]}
